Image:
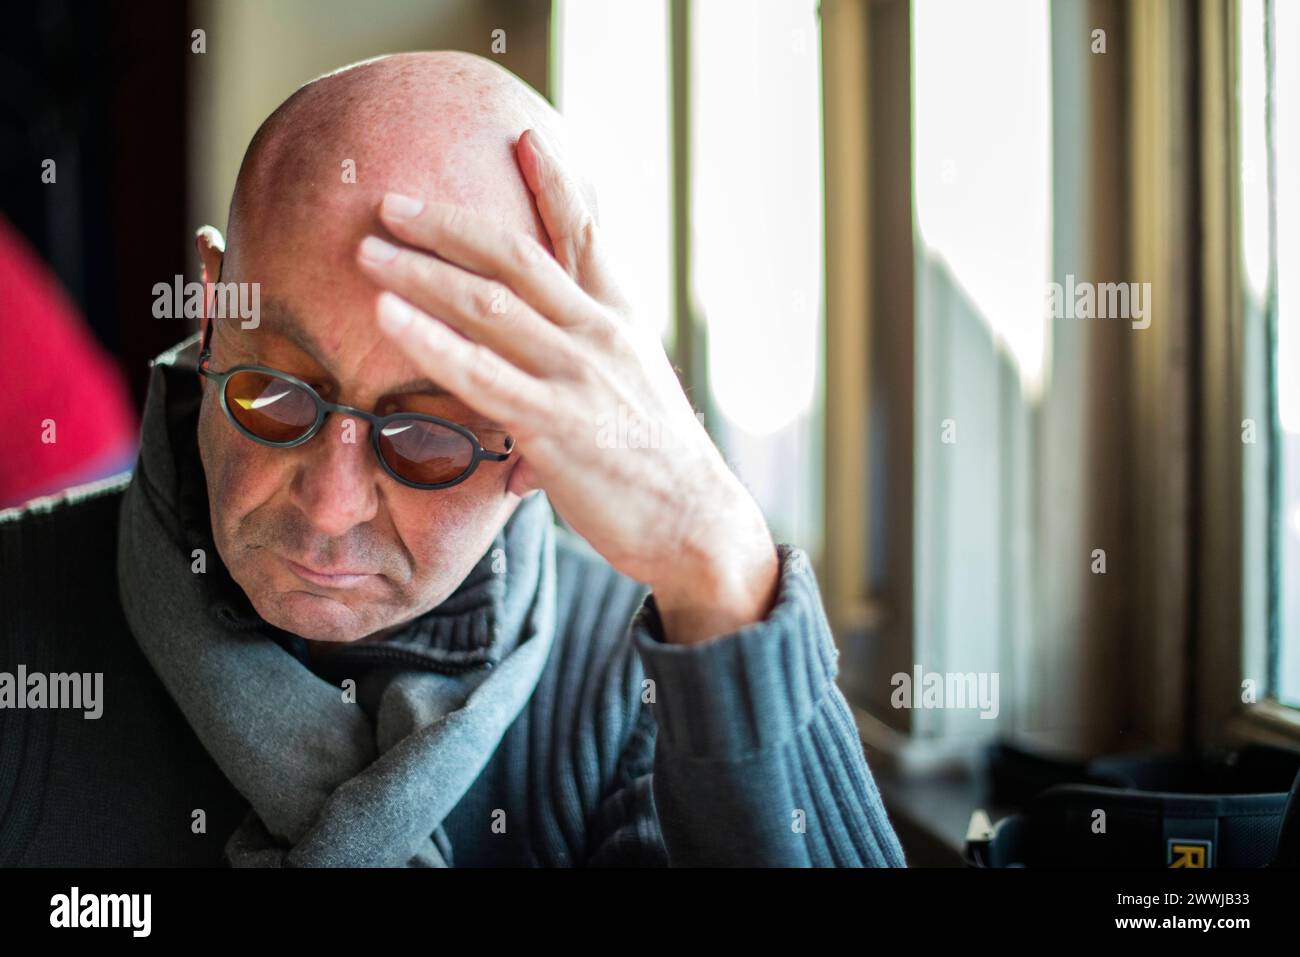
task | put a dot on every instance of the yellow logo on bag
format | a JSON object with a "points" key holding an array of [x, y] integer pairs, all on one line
{"points": [[1188, 854]]}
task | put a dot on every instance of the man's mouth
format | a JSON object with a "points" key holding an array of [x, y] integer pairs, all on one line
{"points": [[329, 578]]}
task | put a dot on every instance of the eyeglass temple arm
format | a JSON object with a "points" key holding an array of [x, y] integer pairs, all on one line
{"points": [[205, 347]]}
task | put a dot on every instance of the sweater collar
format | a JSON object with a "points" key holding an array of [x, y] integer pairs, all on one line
{"points": [[475, 627]]}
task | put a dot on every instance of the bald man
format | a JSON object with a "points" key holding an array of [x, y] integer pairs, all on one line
{"points": [[332, 620]]}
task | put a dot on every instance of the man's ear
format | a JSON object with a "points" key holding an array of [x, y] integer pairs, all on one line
{"points": [[212, 248]]}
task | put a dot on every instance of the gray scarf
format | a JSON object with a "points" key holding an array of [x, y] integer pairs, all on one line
{"points": [[331, 782]]}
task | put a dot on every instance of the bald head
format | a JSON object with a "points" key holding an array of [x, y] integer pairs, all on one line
{"points": [[437, 125]]}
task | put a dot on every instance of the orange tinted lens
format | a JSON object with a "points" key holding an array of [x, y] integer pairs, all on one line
{"points": [[425, 452], [270, 408]]}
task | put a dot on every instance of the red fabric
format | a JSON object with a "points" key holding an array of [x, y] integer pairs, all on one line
{"points": [[52, 368]]}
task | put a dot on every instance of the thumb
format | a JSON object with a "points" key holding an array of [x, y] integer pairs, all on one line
{"points": [[568, 217]]}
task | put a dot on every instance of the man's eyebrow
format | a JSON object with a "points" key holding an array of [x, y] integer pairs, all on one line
{"points": [[419, 386], [291, 327]]}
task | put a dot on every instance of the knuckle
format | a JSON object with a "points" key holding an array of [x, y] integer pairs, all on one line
{"points": [[587, 233], [525, 252], [607, 334], [573, 246], [475, 300], [589, 264], [579, 245]]}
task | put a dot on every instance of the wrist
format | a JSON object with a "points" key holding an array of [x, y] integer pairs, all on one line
{"points": [[726, 581]]}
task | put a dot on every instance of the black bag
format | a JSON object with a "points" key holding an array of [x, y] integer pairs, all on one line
{"points": [[1141, 811]]}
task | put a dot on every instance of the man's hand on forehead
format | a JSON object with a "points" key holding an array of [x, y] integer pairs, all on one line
{"points": [[547, 347]]}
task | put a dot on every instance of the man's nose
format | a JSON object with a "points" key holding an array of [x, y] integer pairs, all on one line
{"points": [[335, 486]]}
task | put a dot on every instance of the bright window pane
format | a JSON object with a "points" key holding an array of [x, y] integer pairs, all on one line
{"points": [[1252, 91], [757, 218], [982, 127], [611, 78]]}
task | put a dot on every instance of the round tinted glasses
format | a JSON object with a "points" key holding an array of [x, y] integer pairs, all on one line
{"points": [[280, 410]]}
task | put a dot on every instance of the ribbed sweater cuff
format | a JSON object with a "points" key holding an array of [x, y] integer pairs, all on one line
{"points": [[747, 691]]}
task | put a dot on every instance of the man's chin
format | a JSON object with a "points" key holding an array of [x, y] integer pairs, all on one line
{"points": [[315, 617]]}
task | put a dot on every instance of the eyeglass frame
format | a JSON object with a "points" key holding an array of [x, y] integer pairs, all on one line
{"points": [[324, 408]]}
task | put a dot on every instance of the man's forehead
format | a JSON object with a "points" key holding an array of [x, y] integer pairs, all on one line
{"points": [[280, 319]]}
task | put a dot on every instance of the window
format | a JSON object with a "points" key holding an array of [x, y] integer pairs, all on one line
{"points": [[1269, 129], [982, 186]]}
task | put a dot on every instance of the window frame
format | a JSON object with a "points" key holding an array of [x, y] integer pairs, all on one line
{"points": [[1184, 616]]}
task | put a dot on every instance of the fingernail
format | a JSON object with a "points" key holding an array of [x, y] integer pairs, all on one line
{"points": [[402, 207], [376, 250], [394, 315]]}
